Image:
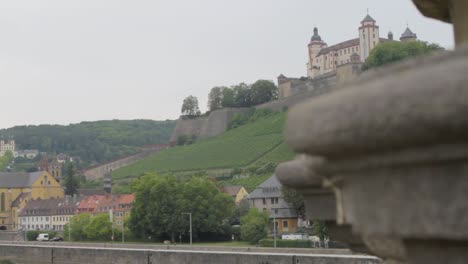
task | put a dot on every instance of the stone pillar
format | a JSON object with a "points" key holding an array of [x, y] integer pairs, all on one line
{"points": [[394, 149], [451, 11], [319, 202]]}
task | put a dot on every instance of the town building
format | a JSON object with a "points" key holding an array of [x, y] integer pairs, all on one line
{"points": [[238, 193], [123, 208], [7, 145], [17, 188], [52, 166], [48, 214], [268, 197], [27, 153], [120, 204]]}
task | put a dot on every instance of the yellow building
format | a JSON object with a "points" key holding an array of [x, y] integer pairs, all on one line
{"points": [[236, 192], [17, 188]]}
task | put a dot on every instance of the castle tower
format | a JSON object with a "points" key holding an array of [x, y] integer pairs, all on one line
{"points": [[408, 35], [390, 35], [315, 45], [368, 36]]}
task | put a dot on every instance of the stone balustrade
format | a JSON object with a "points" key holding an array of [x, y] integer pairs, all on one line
{"points": [[393, 148]]}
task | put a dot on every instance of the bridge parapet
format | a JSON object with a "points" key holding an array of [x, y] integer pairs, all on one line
{"points": [[55, 254]]}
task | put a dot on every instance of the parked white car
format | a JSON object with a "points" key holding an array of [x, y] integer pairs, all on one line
{"points": [[43, 237]]}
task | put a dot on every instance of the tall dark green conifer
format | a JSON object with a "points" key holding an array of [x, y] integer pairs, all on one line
{"points": [[71, 182]]}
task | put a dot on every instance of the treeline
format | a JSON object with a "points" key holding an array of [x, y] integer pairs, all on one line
{"points": [[92, 142], [240, 95]]}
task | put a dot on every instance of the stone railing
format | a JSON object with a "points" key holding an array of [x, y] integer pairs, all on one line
{"points": [[392, 148]]}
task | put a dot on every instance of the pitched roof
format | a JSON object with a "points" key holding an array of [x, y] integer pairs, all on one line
{"points": [[90, 192], [126, 198], [408, 33], [18, 179], [342, 45], [20, 198], [269, 188], [368, 18], [53, 206], [283, 210], [232, 190]]}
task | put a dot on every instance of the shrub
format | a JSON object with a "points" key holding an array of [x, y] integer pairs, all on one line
{"points": [[254, 226], [268, 242]]}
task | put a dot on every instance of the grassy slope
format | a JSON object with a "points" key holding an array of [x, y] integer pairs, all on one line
{"points": [[242, 146]]}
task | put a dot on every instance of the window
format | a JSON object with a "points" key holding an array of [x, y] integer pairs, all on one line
{"points": [[285, 225], [2, 202], [264, 200]]}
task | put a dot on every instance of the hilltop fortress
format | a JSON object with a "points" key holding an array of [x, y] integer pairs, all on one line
{"points": [[331, 65], [327, 67]]}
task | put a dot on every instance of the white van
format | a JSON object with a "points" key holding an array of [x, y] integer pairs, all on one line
{"points": [[43, 237]]}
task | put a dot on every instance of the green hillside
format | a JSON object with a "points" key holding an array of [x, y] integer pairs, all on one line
{"points": [[92, 142], [245, 145]]}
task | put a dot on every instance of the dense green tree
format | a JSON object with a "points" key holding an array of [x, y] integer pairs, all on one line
{"points": [[215, 98], [209, 207], [190, 106], [320, 229], [71, 182], [240, 210], [394, 51], [254, 226], [228, 98], [242, 95], [77, 226], [296, 200], [161, 200], [5, 160], [263, 91], [99, 228]]}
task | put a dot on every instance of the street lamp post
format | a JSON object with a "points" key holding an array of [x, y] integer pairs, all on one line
{"points": [[190, 219], [274, 230]]}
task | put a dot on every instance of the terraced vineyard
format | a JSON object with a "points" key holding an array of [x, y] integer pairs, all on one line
{"points": [[259, 141]]}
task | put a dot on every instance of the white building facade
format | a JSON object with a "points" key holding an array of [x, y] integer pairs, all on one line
{"points": [[324, 59]]}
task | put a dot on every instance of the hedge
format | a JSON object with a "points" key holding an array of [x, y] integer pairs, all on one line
{"points": [[268, 242]]}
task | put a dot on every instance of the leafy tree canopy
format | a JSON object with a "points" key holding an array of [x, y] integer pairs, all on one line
{"points": [[263, 91], [254, 226], [162, 200], [190, 106], [394, 51], [215, 98]]}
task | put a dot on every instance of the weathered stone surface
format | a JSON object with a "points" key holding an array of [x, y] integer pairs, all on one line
{"points": [[438, 9], [54, 254], [408, 107]]}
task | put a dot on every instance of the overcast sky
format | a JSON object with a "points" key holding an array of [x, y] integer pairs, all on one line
{"points": [[66, 61]]}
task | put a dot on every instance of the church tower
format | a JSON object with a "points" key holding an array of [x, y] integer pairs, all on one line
{"points": [[315, 45], [368, 36]]}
